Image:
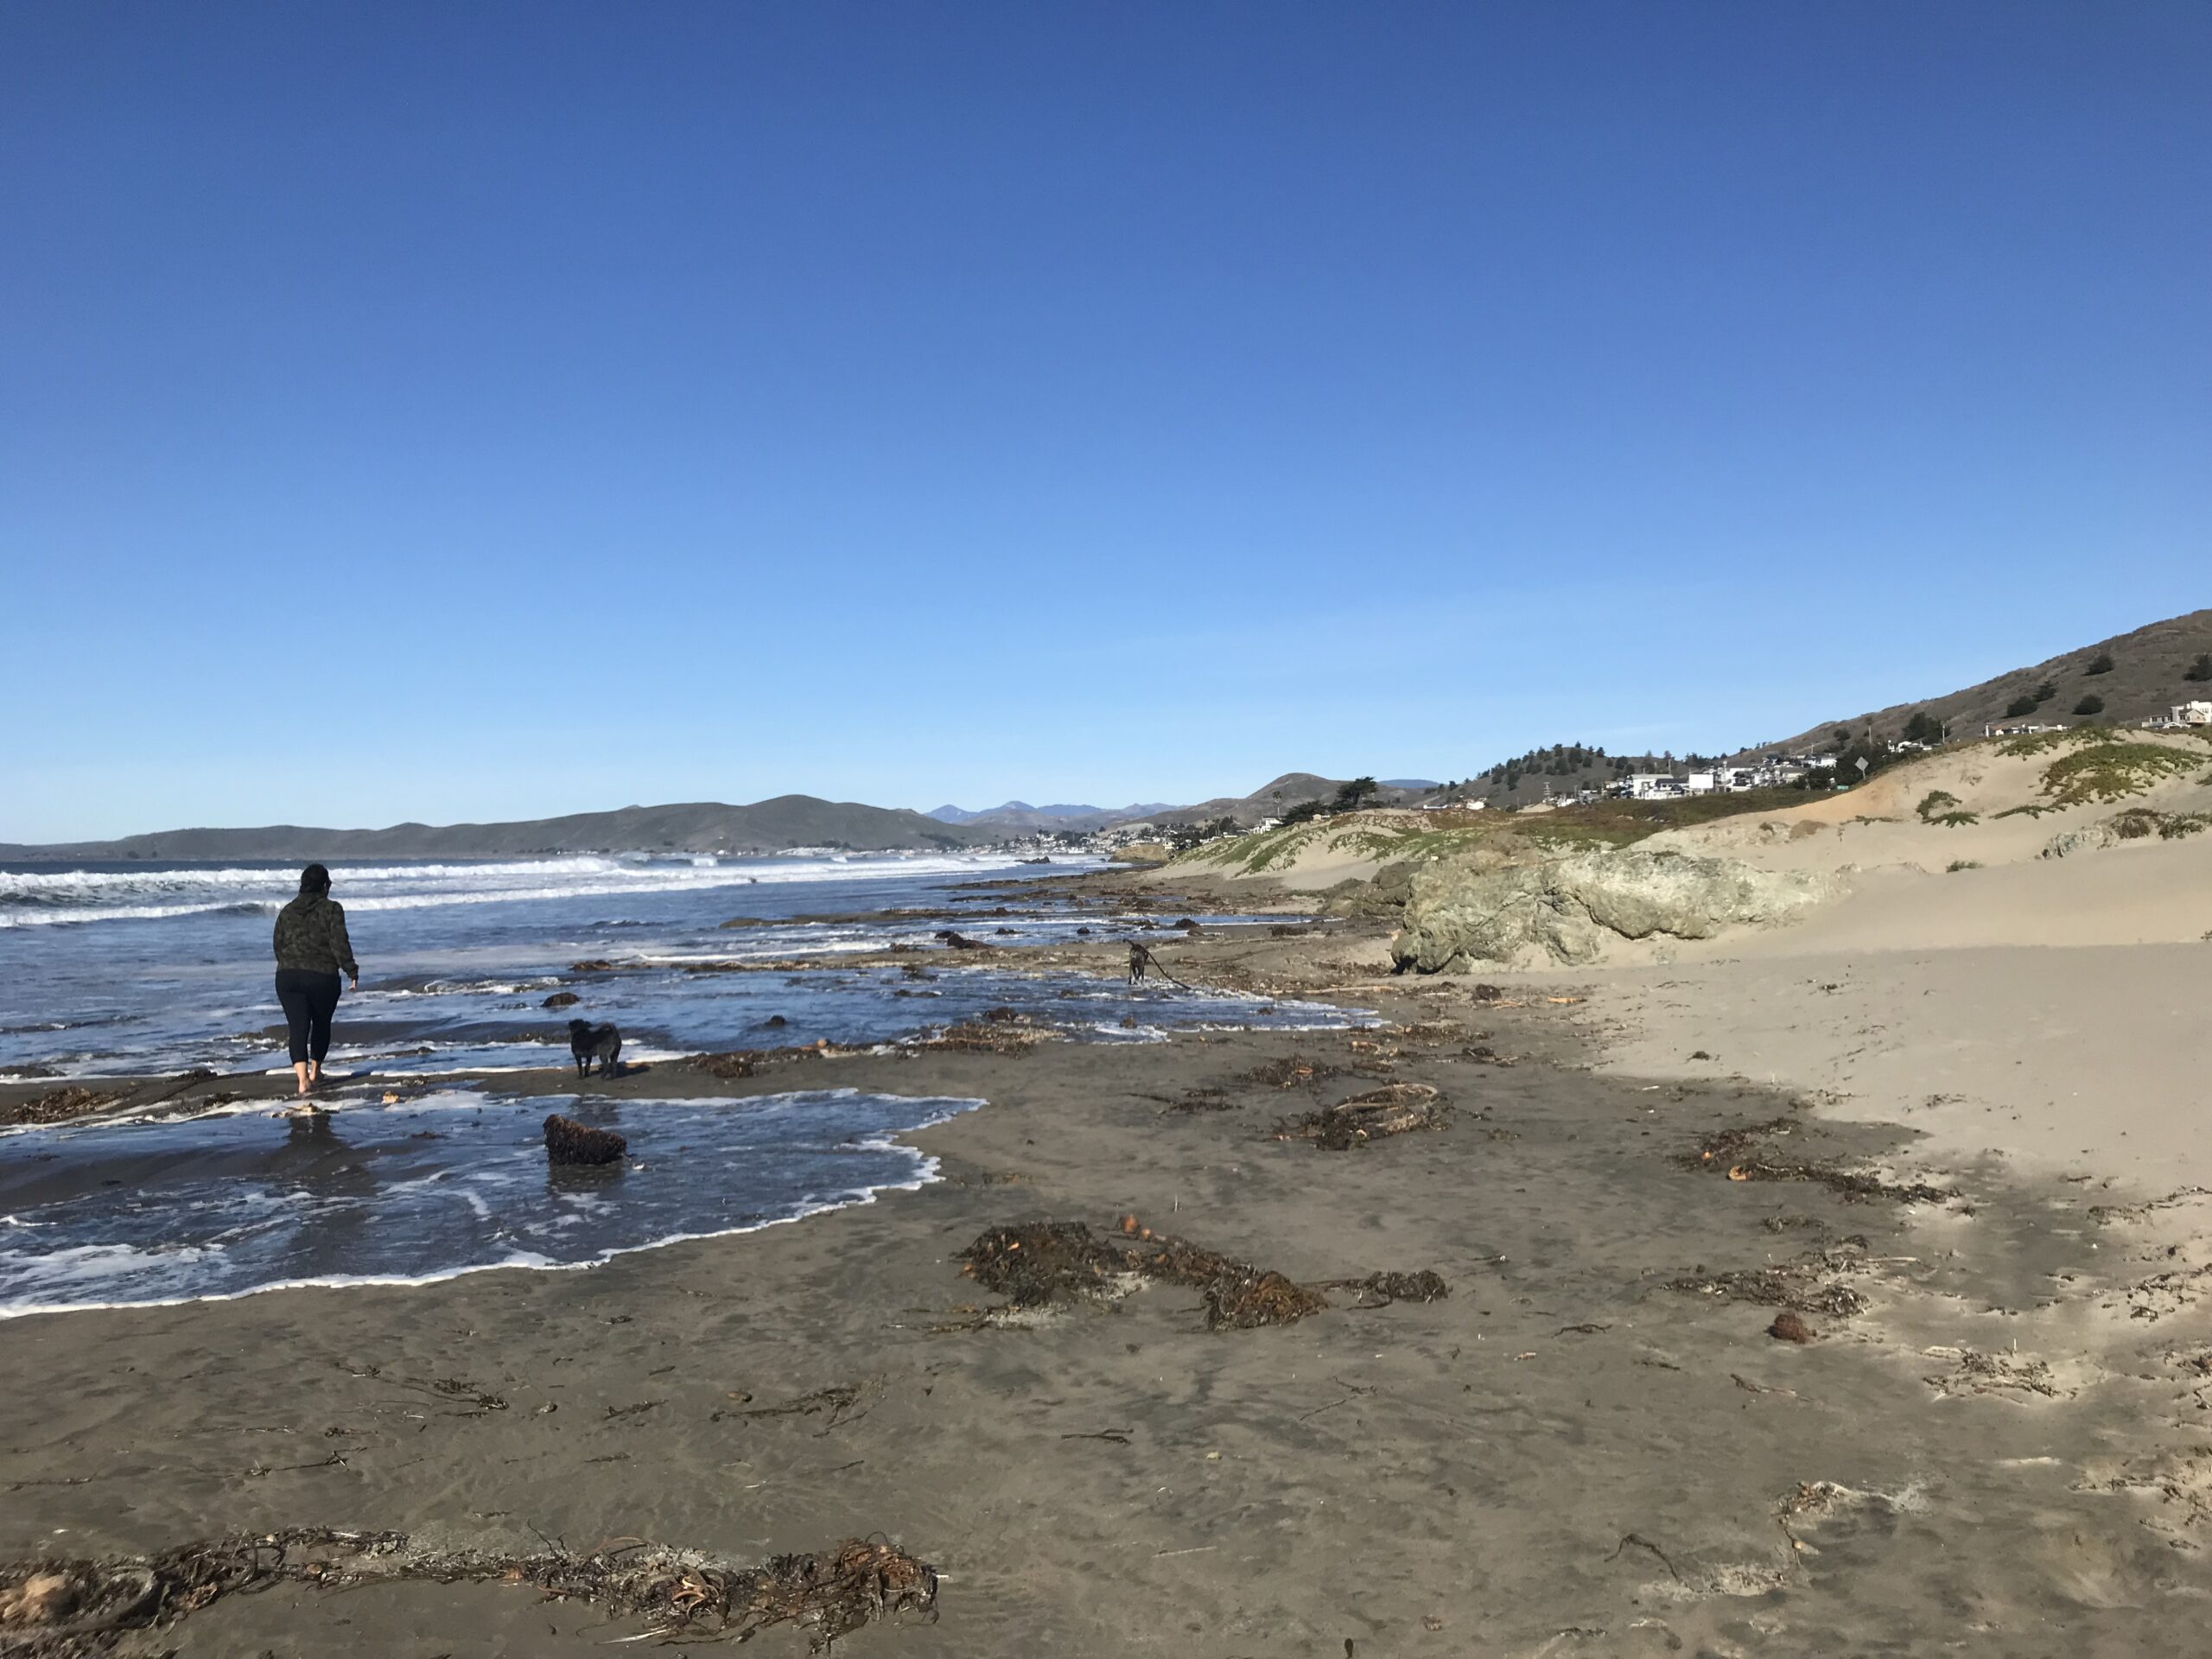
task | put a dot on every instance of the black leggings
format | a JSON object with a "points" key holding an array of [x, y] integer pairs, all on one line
{"points": [[309, 1000]]}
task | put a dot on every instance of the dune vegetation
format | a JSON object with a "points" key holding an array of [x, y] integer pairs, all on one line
{"points": [[1391, 836]]}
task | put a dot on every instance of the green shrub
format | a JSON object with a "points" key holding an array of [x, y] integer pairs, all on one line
{"points": [[2138, 822], [1934, 802], [2112, 770], [2032, 809], [1955, 820], [2091, 704], [2201, 670], [2101, 665], [2063, 737], [1957, 864], [2020, 705]]}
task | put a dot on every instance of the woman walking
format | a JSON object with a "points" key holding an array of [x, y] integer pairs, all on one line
{"points": [[311, 948]]}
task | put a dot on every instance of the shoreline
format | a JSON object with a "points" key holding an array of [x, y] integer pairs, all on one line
{"points": [[1569, 1441]]}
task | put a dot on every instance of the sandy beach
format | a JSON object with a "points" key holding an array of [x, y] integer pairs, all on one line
{"points": [[1591, 1443]]}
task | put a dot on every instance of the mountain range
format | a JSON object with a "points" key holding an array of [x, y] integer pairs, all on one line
{"points": [[703, 827], [2122, 679], [1019, 815]]}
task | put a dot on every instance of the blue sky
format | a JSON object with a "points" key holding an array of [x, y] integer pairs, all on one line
{"points": [[479, 412]]}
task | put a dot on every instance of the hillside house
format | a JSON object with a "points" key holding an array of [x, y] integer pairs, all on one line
{"points": [[2181, 717]]}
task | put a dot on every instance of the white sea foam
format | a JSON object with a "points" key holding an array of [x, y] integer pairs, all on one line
{"points": [[44, 898]]}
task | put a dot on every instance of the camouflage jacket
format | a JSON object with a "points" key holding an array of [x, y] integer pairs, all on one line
{"points": [[311, 937]]}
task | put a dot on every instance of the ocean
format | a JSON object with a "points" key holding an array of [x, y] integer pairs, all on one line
{"points": [[130, 968]]}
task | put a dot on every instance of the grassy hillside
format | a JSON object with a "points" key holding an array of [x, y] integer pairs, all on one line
{"points": [[2148, 672]]}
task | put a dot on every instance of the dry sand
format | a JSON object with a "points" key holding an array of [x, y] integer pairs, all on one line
{"points": [[2002, 1453]]}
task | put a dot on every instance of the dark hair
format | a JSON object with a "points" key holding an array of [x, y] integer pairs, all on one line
{"points": [[314, 879]]}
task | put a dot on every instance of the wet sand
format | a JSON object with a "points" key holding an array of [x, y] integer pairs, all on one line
{"points": [[1570, 1454]]}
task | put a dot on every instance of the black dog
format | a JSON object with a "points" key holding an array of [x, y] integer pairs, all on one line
{"points": [[588, 1042]]}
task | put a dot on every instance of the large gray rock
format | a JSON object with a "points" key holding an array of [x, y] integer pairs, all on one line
{"points": [[1568, 909]]}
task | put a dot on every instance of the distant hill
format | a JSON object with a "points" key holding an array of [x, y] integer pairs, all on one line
{"points": [[2147, 677], [1020, 815], [702, 827], [1275, 797]]}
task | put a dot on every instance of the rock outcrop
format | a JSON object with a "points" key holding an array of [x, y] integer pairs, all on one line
{"points": [[2090, 838], [1569, 908]]}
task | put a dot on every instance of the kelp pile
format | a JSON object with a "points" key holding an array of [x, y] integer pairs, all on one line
{"points": [[55, 1608], [1043, 1264], [1740, 1153], [57, 1106]]}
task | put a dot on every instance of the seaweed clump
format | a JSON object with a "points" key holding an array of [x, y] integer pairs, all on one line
{"points": [[996, 1033], [57, 1106], [1289, 1071], [1394, 1109], [1427, 1286], [1736, 1152], [1045, 1263], [54, 1608], [1040, 1263], [1238, 1296], [570, 1143], [1808, 1285]]}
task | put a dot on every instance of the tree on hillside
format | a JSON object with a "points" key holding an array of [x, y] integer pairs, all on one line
{"points": [[2090, 705], [2102, 664], [2021, 705], [1875, 753], [1923, 728], [2201, 670], [1355, 794], [1185, 836]]}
